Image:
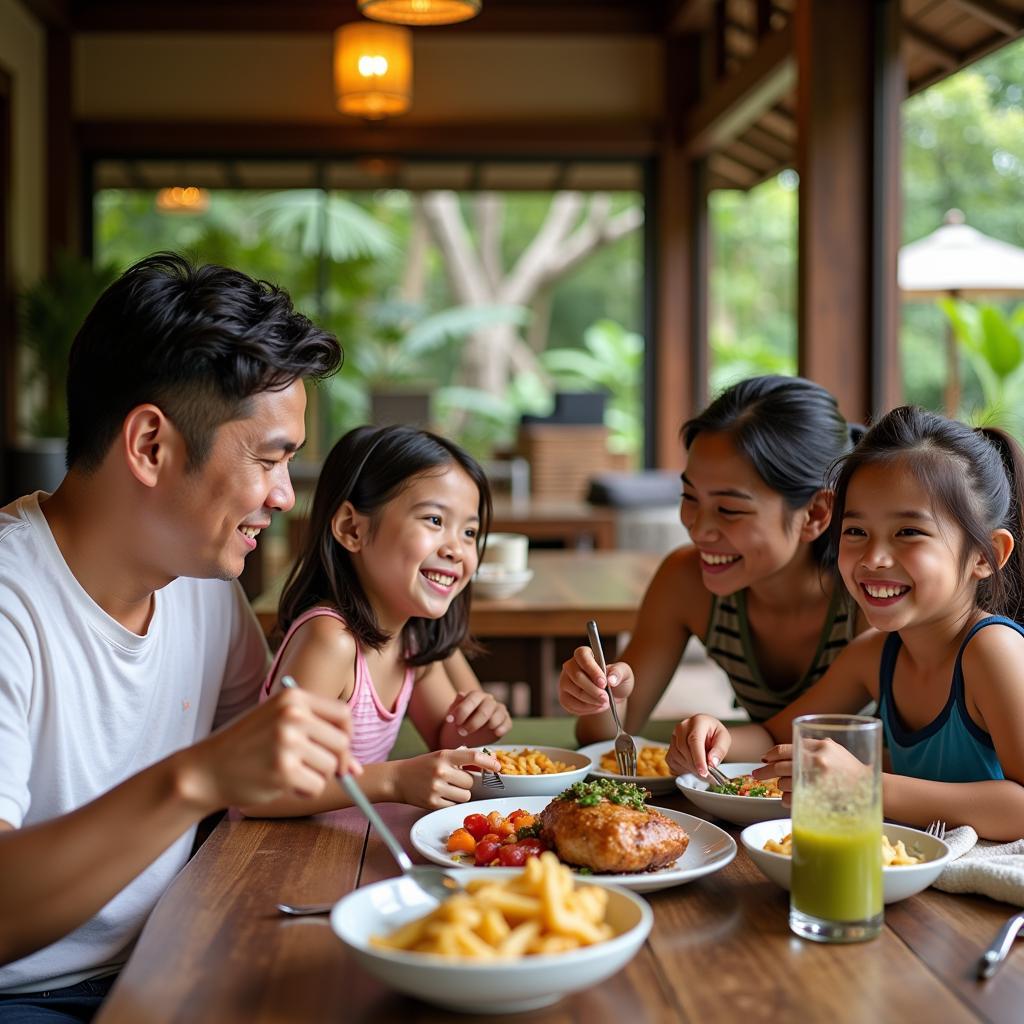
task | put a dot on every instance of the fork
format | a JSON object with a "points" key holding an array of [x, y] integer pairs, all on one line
{"points": [[489, 779], [434, 881], [937, 829], [625, 748], [718, 775]]}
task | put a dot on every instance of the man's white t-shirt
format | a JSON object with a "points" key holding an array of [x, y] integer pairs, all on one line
{"points": [[85, 704]]}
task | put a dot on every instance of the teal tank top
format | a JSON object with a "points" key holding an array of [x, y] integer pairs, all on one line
{"points": [[950, 748]]}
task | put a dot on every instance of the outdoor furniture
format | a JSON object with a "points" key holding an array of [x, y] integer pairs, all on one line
{"points": [[720, 951]]}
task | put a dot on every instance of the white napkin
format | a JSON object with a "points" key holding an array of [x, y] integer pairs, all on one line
{"points": [[989, 869]]}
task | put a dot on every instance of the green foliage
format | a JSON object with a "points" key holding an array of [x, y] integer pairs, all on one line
{"points": [[611, 360], [994, 344], [50, 313]]}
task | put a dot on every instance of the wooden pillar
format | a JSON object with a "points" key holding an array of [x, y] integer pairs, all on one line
{"points": [[850, 84], [677, 365]]}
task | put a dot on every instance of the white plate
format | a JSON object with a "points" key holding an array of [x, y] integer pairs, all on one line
{"points": [[897, 882], [536, 785], [481, 986], [500, 586], [710, 848], [740, 810], [655, 783]]}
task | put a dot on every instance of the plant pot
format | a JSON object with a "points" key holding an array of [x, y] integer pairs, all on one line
{"points": [[34, 465]]}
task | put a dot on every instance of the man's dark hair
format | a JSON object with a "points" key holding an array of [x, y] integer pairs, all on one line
{"points": [[198, 342]]}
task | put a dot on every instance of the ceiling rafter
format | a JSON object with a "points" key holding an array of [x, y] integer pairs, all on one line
{"points": [[1007, 20], [933, 46]]}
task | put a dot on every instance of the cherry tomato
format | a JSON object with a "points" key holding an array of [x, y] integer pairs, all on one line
{"points": [[485, 852], [531, 843], [513, 856], [522, 819], [490, 837], [460, 841], [476, 825]]}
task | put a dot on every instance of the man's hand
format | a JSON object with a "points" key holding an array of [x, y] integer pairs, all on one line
{"points": [[292, 745]]}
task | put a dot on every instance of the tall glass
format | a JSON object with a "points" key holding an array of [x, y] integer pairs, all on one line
{"points": [[836, 890]]}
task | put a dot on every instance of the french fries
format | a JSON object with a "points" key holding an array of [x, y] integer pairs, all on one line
{"points": [[539, 912], [529, 762], [892, 856]]}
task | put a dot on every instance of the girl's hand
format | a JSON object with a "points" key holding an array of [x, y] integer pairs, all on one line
{"points": [[582, 688], [439, 779], [473, 718], [779, 763], [697, 741]]}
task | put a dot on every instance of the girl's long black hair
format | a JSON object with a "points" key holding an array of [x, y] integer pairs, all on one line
{"points": [[974, 475], [369, 467]]}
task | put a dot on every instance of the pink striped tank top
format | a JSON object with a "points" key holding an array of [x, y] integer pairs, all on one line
{"points": [[374, 727]]}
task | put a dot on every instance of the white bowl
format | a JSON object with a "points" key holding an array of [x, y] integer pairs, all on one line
{"points": [[481, 987], [535, 785], [653, 783], [497, 585], [897, 882], [740, 810]]}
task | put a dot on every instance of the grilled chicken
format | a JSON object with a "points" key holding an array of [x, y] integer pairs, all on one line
{"points": [[611, 838]]}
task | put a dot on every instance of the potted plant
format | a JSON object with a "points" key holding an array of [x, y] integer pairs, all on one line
{"points": [[50, 311]]}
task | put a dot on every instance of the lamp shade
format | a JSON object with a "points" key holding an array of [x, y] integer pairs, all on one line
{"points": [[372, 69], [420, 12], [183, 200]]}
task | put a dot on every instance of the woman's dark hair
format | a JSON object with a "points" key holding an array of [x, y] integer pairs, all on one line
{"points": [[369, 467], [196, 341], [973, 475], [789, 429]]}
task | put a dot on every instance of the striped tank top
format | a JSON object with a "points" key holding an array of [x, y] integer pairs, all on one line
{"points": [[730, 645], [374, 727]]}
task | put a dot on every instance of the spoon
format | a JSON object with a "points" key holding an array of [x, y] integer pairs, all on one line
{"points": [[433, 881]]}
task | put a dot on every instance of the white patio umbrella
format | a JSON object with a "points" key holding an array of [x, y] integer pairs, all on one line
{"points": [[959, 261]]}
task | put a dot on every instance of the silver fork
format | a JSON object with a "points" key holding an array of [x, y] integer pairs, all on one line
{"points": [[434, 881], [489, 779], [937, 829], [625, 748], [718, 775]]}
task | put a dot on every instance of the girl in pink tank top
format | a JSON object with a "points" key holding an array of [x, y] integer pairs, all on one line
{"points": [[377, 606]]}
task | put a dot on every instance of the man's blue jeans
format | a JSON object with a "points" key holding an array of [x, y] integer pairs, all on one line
{"points": [[75, 1003]]}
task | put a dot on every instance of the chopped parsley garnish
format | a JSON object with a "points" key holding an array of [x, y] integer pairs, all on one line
{"points": [[589, 794]]}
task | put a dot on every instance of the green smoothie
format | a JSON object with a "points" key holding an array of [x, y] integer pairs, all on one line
{"points": [[837, 875]]}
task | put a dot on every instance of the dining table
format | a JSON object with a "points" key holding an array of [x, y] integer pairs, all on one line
{"points": [[525, 637], [215, 949]]}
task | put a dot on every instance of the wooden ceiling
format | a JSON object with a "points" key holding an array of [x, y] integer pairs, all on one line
{"points": [[746, 49]]}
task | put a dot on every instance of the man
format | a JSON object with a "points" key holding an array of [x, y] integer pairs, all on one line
{"points": [[124, 637]]}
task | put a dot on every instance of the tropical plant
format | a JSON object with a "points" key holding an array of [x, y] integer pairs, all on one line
{"points": [[50, 313], [994, 344], [611, 360]]}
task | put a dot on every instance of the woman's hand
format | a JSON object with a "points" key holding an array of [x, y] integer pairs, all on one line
{"points": [[439, 779], [473, 718], [584, 690], [778, 764], [823, 756], [696, 742]]}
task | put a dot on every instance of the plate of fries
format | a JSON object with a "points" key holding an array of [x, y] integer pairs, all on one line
{"points": [[652, 767], [762, 805], [911, 859], [710, 847], [534, 771], [516, 940]]}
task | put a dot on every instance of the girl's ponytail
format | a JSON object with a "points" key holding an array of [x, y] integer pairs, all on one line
{"points": [[1007, 591]]}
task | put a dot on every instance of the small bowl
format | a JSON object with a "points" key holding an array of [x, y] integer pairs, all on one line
{"points": [[535, 785], [481, 987], [493, 583], [897, 882], [740, 810], [655, 784]]}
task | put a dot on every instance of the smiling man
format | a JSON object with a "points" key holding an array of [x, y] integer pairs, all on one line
{"points": [[124, 638]]}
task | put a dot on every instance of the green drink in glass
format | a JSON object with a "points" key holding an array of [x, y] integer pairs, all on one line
{"points": [[836, 890]]}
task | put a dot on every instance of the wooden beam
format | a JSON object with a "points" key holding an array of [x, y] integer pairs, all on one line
{"points": [[994, 42], [849, 147], [52, 13], [934, 47], [737, 102], [529, 16], [687, 16], [1007, 20], [778, 149], [598, 140]]}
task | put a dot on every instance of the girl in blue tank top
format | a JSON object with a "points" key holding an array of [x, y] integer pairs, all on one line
{"points": [[928, 537]]}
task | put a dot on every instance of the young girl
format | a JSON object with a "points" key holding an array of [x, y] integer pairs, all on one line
{"points": [[752, 585], [927, 514], [377, 605]]}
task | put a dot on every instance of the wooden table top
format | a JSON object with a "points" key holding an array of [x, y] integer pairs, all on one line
{"points": [[720, 950], [568, 587]]}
